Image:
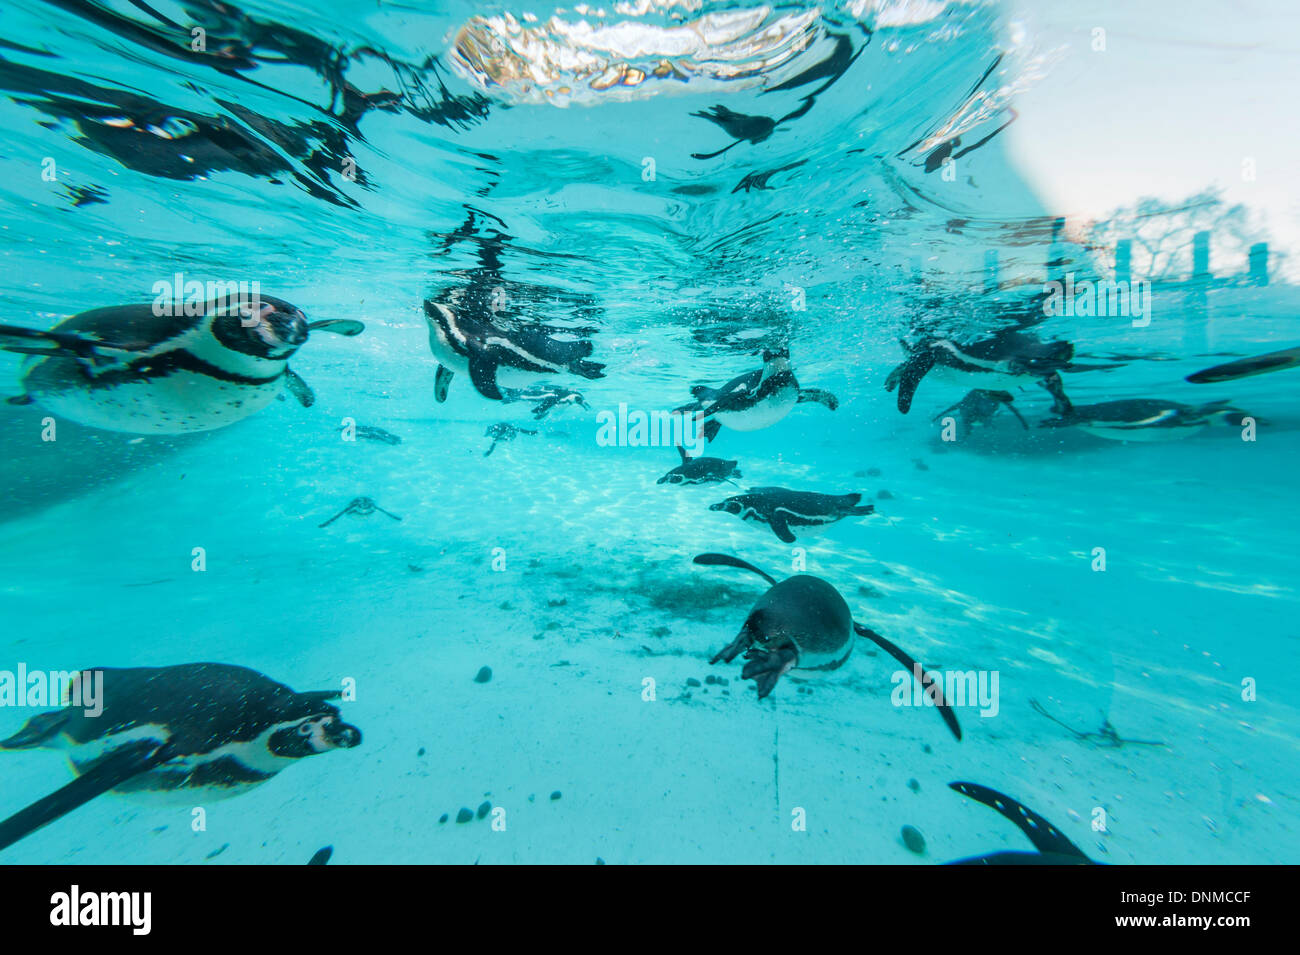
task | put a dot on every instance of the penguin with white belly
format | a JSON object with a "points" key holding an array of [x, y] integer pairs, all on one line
{"points": [[128, 368], [1143, 419], [194, 731], [757, 399], [802, 623]]}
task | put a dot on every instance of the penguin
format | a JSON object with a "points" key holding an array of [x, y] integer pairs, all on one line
{"points": [[1053, 848], [754, 400], [191, 732], [372, 433], [780, 508], [803, 623], [980, 405], [361, 507], [700, 470], [1008, 359], [125, 368], [1142, 419], [551, 397], [496, 352], [1246, 367], [502, 431]]}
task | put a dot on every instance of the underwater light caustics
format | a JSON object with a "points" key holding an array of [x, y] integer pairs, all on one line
{"points": [[587, 61]]}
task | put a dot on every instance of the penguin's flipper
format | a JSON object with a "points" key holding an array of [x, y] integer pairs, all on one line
{"points": [[726, 560], [682, 452], [910, 374], [492, 447], [1245, 367], [322, 856], [38, 729], [1012, 408], [711, 429], [820, 396], [1046, 837], [91, 352], [780, 528], [441, 382], [299, 388], [129, 761], [927, 679], [339, 326], [483, 372]]}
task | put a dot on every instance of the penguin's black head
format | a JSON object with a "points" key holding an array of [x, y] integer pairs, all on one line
{"points": [[672, 477], [318, 733], [773, 354], [731, 507], [261, 326]]}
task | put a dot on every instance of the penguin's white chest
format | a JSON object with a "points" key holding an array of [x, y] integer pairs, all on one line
{"points": [[763, 413], [1149, 435], [180, 402]]}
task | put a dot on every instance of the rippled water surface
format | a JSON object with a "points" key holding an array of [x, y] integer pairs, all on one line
{"points": [[685, 186]]}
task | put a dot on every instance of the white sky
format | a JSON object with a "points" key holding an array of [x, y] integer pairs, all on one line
{"points": [[1182, 94]]}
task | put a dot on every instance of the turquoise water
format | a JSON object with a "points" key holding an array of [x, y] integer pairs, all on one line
{"points": [[559, 562]]}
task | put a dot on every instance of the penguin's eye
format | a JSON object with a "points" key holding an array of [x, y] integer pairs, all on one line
{"points": [[305, 729]]}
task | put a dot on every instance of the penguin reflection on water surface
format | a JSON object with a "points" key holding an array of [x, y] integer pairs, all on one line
{"points": [[803, 623], [125, 368], [1007, 359], [192, 732]]}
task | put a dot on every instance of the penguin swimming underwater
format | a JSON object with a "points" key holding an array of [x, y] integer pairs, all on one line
{"points": [[1008, 359], [548, 398], [124, 368], [1053, 848], [780, 508], [756, 399], [197, 730], [361, 507], [802, 623], [502, 431], [496, 352], [700, 470], [979, 406], [1246, 367], [1142, 419]]}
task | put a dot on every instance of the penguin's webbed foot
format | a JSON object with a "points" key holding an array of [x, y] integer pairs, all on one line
{"points": [[732, 650], [765, 667]]}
